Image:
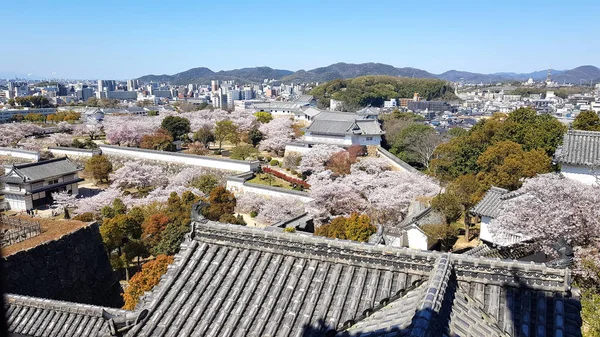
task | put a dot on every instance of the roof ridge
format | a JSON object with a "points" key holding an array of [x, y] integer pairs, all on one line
{"points": [[25, 165], [433, 298], [58, 305]]}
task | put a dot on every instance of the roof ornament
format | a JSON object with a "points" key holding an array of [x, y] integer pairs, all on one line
{"points": [[119, 325], [565, 255], [196, 217]]}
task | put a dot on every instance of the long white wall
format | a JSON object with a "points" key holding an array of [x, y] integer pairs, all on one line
{"points": [[394, 161], [581, 174], [31, 155], [65, 151], [216, 163]]}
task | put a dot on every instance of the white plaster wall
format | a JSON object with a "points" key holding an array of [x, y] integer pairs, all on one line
{"points": [[238, 166], [298, 149], [238, 188], [582, 174], [347, 140], [484, 230], [13, 153], [362, 140], [70, 153], [416, 239]]}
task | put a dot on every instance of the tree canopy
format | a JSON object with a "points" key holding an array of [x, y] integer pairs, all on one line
{"points": [[176, 126], [587, 120], [374, 90], [354, 227], [536, 135]]}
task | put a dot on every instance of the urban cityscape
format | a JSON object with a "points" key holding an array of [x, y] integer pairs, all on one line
{"points": [[356, 195]]}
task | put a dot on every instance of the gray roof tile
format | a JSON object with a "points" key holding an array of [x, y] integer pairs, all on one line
{"points": [[579, 148], [491, 203], [230, 280], [46, 169]]}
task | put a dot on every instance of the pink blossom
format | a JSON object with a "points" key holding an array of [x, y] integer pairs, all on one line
{"points": [[277, 133], [314, 160]]}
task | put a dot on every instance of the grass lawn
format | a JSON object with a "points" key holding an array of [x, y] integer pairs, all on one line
{"points": [[270, 180]]}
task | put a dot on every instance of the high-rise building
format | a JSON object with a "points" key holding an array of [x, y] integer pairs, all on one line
{"points": [[133, 85], [214, 85], [232, 95], [86, 93]]}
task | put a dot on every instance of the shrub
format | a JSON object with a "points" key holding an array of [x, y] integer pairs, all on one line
{"points": [[285, 177], [268, 158], [85, 217], [145, 280], [253, 214], [290, 230], [274, 162], [287, 169]]}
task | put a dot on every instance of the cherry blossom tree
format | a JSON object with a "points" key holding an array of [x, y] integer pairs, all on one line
{"points": [[315, 159], [248, 203], [550, 208], [61, 139], [11, 134], [95, 203], [270, 209], [371, 188], [277, 133], [135, 174], [63, 200], [90, 130], [278, 209]]}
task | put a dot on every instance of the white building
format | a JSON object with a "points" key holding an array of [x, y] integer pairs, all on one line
{"points": [[392, 103], [489, 208], [579, 156], [29, 186], [344, 129]]}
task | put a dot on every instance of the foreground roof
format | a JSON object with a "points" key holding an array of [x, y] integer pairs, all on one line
{"points": [[579, 148], [230, 280], [29, 316]]}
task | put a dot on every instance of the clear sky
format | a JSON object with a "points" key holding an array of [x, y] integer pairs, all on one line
{"points": [[125, 38]]}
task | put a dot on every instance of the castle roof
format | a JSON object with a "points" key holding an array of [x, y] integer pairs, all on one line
{"points": [[230, 280]]}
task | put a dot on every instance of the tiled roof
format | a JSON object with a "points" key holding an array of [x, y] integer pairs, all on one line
{"points": [[491, 203], [579, 148], [336, 127], [29, 316], [230, 280], [46, 169]]}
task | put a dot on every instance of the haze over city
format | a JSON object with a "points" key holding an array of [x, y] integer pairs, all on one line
{"points": [[129, 39]]}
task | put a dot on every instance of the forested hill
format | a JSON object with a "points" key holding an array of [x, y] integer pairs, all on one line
{"points": [[204, 75], [341, 70], [374, 90]]}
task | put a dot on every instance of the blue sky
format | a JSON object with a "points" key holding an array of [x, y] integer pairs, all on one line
{"points": [[125, 39]]}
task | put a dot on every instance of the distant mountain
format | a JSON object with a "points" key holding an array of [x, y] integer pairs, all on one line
{"points": [[350, 70], [204, 75], [465, 76], [583, 74]]}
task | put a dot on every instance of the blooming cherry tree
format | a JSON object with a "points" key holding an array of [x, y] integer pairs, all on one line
{"points": [[314, 160], [277, 132], [63, 200], [370, 188], [136, 174], [551, 208]]}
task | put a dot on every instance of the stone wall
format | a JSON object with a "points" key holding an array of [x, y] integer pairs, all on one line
{"points": [[73, 268]]}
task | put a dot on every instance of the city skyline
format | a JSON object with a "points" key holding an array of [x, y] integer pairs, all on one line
{"points": [[91, 41]]}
